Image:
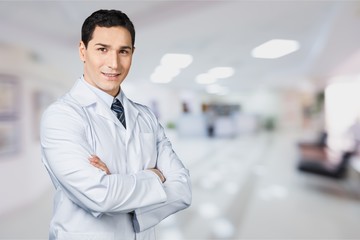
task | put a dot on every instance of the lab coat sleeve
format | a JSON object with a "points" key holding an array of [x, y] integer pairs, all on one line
{"points": [[177, 187], [65, 153]]}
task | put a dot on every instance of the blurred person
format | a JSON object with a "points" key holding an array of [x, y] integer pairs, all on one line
{"points": [[114, 170], [210, 117]]}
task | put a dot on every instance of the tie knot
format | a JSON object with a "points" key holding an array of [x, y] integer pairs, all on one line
{"points": [[117, 106]]}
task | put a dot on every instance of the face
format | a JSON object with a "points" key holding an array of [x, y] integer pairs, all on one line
{"points": [[107, 58]]}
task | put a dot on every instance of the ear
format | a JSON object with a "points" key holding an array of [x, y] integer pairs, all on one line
{"points": [[82, 51], [133, 49]]}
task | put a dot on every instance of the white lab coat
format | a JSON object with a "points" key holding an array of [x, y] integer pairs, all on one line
{"points": [[126, 204]]}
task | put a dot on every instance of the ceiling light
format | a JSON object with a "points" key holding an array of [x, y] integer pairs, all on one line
{"points": [[167, 71], [164, 74], [205, 78], [221, 72], [275, 48], [217, 89], [170, 66], [176, 60], [157, 78]]}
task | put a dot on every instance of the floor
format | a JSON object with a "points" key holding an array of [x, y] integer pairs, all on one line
{"points": [[243, 188]]}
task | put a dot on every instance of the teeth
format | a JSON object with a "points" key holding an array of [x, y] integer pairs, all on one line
{"points": [[110, 74]]}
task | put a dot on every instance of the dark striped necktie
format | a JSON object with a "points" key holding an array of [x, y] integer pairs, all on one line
{"points": [[118, 108]]}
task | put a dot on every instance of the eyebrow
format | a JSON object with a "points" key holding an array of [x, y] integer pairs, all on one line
{"points": [[108, 46]]}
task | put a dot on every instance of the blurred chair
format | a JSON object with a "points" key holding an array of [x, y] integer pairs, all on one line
{"points": [[319, 164], [317, 158]]}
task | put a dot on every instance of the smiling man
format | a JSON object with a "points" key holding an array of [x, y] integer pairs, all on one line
{"points": [[114, 170]]}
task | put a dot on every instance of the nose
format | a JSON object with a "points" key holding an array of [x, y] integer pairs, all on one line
{"points": [[113, 60]]}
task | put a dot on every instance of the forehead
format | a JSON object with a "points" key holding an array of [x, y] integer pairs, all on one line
{"points": [[111, 36]]}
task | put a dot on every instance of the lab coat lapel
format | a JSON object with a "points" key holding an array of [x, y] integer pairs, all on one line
{"points": [[85, 97], [103, 111], [131, 114]]}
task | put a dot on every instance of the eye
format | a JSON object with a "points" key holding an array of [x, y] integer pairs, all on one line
{"points": [[102, 49], [124, 52]]}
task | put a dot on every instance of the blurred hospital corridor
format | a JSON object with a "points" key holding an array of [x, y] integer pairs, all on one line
{"points": [[243, 188]]}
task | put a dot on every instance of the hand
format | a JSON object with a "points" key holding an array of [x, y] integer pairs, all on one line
{"points": [[96, 162], [159, 173]]}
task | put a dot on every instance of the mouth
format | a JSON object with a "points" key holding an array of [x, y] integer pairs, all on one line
{"points": [[111, 75]]}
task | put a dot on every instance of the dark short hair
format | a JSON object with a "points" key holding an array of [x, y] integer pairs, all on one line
{"points": [[106, 18]]}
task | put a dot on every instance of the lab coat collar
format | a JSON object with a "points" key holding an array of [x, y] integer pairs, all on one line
{"points": [[83, 94], [86, 97], [131, 112]]}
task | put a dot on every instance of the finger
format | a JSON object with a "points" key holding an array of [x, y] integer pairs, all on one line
{"points": [[95, 165], [100, 163], [97, 161], [94, 159], [101, 167]]}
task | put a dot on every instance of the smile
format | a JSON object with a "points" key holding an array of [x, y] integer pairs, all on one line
{"points": [[111, 74]]}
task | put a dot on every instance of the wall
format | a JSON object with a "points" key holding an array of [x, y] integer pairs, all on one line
{"points": [[23, 177]]}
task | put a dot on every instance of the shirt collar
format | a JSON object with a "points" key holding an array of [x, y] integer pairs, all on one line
{"points": [[105, 97]]}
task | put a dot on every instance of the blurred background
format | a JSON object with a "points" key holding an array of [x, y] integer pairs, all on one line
{"points": [[259, 98]]}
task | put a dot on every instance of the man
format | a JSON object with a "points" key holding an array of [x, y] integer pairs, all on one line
{"points": [[114, 171]]}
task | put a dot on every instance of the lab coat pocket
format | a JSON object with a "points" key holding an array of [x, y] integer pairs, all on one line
{"points": [[148, 150], [85, 236]]}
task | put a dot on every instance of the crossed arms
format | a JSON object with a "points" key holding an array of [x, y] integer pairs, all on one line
{"points": [[96, 162]]}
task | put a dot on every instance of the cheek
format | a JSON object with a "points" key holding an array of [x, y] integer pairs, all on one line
{"points": [[127, 63], [92, 67], [94, 58], [95, 63]]}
